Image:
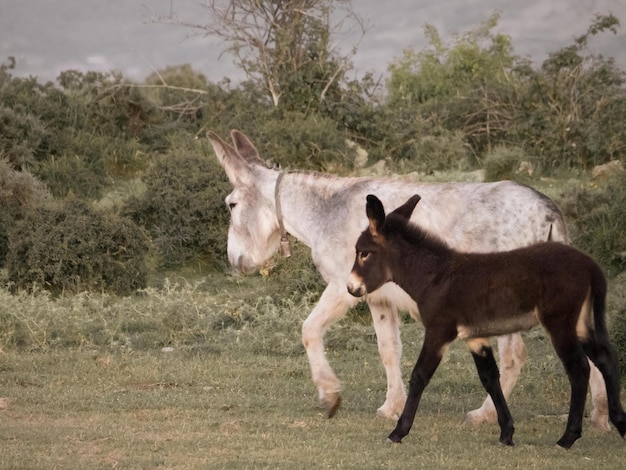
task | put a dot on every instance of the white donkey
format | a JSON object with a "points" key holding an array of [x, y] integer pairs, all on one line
{"points": [[325, 213]]}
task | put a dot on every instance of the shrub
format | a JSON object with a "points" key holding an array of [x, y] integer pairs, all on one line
{"points": [[304, 141], [74, 248], [20, 136], [183, 205], [443, 151], [616, 308], [503, 163], [19, 193], [598, 214]]}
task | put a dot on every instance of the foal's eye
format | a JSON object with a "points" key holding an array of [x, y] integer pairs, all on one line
{"points": [[364, 255]]}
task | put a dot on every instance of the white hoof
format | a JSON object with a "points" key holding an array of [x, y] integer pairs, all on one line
{"points": [[477, 417], [387, 412], [600, 422]]}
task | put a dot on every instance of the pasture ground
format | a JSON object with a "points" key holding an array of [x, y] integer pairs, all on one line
{"points": [[233, 404], [211, 374]]}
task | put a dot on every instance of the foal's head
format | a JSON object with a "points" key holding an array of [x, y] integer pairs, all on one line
{"points": [[371, 267]]}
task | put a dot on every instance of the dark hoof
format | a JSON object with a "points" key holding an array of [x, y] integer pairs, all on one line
{"points": [[507, 441], [332, 403], [394, 439], [620, 424], [567, 441]]}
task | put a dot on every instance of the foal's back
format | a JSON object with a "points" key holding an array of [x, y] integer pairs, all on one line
{"points": [[498, 293]]}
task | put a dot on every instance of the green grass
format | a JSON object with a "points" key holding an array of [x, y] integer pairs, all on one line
{"points": [[211, 373], [240, 398]]}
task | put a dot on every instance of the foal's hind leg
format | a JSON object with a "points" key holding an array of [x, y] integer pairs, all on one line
{"points": [[605, 359], [570, 351], [490, 378], [512, 357]]}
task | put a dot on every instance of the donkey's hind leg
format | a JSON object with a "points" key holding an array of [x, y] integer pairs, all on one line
{"points": [[490, 378], [603, 356]]}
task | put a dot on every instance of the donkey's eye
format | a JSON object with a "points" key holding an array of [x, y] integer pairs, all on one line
{"points": [[364, 255]]}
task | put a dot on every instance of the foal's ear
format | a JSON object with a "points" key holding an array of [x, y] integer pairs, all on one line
{"points": [[406, 209], [376, 214]]}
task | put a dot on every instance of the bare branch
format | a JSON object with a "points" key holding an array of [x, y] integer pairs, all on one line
{"points": [[273, 41]]}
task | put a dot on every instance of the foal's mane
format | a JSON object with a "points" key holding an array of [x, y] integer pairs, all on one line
{"points": [[416, 235]]}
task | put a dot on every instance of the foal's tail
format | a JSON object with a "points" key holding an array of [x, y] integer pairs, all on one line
{"points": [[598, 293]]}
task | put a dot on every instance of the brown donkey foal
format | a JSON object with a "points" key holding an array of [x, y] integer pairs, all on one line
{"points": [[475, 296]]}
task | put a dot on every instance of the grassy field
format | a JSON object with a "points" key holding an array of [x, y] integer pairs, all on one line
{"points": [[211, 373], [98, 390]]}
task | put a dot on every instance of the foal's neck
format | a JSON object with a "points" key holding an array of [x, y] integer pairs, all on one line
{"points": [[420, 258]]}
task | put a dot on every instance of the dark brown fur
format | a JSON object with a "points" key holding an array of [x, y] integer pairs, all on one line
{"points": [[476, 296]]}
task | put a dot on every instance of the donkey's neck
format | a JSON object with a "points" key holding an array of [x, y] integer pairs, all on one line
{"points": [[306, 200]]}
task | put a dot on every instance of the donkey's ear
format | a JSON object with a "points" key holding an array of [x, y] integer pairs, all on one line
{"points": [[245, 148], [234, 165], [375, 214], [406, 209]]}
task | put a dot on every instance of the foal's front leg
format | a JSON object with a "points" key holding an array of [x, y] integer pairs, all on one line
{"points": [[429, 358], [490, 378]]}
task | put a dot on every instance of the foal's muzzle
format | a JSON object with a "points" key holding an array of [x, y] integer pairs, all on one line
{"points": [[356, 289]]}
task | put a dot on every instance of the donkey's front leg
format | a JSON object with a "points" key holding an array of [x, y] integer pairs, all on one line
{"points": [[333, 304], [490, 378], [387, 327], [429, 359]]}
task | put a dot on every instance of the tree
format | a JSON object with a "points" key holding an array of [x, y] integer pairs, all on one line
{"points": [[285, 46]]}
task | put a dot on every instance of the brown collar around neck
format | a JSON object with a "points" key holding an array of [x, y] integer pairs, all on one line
{"points": [[285, 247]]}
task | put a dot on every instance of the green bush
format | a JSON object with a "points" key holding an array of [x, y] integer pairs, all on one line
{"points": [[503, 163], [73, 248], [79, 135], [568, 113], [183, 205], [19, 193], [597, 217], [20, 136], [437, 152], [296, 140], [616, 310]]}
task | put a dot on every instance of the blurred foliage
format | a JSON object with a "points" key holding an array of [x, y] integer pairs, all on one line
{"points": [[596, 213], [183, 205], [567, 114], [295, 140], [19, 193], [467, 104], [73, 247]]}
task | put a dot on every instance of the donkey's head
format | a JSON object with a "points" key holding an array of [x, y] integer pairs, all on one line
{"points": [[253, 235], [372, 266]]}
